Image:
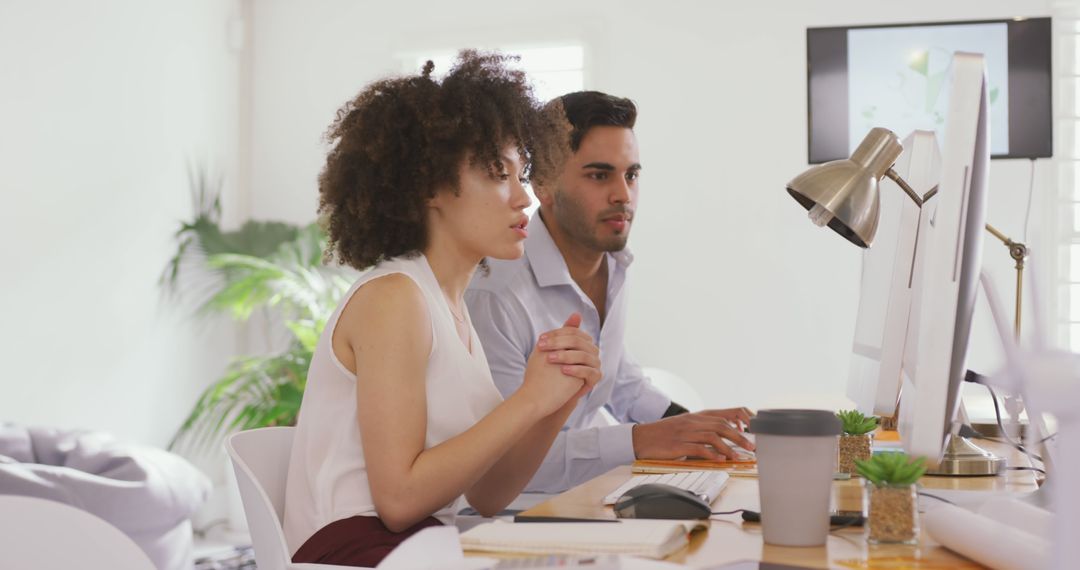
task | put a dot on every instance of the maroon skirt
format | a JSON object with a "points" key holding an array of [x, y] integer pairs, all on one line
{"points": [[356, 541]]}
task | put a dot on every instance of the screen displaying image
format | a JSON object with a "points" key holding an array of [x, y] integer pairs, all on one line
{"points": [[898, 78]]}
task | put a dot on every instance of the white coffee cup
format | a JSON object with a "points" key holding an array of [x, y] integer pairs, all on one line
{"points": [[796, 458]]}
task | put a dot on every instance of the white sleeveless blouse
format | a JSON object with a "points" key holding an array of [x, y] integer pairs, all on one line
{"points": [[328, 478]]}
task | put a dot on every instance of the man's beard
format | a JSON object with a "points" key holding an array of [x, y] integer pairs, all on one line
{"points": [[573, 221]]}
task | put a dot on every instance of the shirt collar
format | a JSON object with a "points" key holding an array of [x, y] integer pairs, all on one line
{"points": [[547, 261]]}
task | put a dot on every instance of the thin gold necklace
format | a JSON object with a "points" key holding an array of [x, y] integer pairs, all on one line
{"points": [[450, 306], [460, 319]]}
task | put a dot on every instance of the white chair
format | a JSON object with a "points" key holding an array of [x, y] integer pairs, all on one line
{"points": [[675, 387], [260, 458], [47, 535]]}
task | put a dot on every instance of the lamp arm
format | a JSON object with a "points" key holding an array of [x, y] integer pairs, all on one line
{"points": [[1019, 253], [1017, 250], [919, 200], [997, 233]]}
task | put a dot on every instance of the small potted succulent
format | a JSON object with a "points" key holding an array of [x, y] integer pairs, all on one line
{"points": [[856, 439], [891, 498]]}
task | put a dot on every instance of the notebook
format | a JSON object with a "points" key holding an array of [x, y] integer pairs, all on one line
{"points": [[634, 537], [679, 465]]}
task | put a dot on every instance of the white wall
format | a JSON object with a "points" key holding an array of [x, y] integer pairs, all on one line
{"points": [[733, 288], [102, 107]]}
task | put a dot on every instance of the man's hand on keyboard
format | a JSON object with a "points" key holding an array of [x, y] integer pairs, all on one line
{"points": [[703, 434]]}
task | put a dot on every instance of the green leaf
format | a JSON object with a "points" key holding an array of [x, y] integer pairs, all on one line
{"points": [[306, 333], [855, 423], [268, 266], [254, 392], [257, 239], [891, 468], [869, 469], [243, 295]]}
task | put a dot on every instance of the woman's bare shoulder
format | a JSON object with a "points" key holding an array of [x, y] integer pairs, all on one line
{"points": [[386, 310]]}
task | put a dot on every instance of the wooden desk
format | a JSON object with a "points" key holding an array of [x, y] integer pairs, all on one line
{"points": [[729, 539]]}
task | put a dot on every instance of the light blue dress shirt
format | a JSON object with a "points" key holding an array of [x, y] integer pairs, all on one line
{"points": [[514, 304]]}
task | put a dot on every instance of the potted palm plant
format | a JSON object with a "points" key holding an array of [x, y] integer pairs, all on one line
{"points": [[270, 267]]}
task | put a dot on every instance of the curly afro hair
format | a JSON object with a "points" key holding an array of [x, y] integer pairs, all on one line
{"points": [[401, 140]]}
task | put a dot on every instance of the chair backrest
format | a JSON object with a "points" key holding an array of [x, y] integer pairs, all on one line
{"points": [[43, 534], [260, 458]]}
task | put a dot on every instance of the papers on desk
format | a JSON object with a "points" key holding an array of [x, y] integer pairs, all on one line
{"points": [[987, 541], [635, 537], [433, 548]]}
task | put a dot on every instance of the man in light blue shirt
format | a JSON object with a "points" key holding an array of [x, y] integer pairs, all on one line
{"points": [[575, 261]]}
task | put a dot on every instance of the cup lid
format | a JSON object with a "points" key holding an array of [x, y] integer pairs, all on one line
{"points": [[795, 422]]}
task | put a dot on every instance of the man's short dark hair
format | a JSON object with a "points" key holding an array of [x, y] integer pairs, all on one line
{"points": [[587, 109]]}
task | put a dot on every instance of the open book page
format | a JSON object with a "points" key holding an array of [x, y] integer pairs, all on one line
{"points": [[637, 537]]}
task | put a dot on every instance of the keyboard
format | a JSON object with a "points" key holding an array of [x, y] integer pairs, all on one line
{"points": [[705, 484]]}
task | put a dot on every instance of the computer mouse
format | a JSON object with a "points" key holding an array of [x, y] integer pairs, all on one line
{"points": [[657, 501]]}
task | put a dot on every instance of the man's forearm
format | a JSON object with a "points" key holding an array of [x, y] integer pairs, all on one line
{"points": [[582, 454]]}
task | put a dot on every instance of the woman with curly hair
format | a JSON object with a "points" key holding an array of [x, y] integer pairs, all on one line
{"points": [[400, 417]]}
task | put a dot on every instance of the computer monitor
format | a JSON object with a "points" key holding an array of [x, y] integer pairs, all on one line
{"points": [[952, 262], [890, 282]]}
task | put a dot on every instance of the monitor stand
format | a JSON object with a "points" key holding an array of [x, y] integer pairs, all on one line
{"points": [[965, 459]]}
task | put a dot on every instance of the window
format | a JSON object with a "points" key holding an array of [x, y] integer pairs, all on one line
{"points": [[553, 71], [1067, 157]]}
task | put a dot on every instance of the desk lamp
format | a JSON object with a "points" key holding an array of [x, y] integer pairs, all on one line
{"points": [[844, 195]]}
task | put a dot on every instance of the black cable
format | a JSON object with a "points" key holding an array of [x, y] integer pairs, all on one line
{"points": [[728, 512], [1036, 469], [1000, 424], [1001, 427], [969, 432], [942, 499], [852, 521], [976, 378], [1019, 448]]}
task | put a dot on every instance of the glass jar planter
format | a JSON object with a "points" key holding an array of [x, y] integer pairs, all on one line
{"points": [[854, 447], [892, 513]]}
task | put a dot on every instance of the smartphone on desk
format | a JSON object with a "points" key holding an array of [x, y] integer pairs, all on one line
{"points": [[837, 519]]}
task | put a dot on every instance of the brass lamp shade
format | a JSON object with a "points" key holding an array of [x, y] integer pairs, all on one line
{"points": [[844, 193]]}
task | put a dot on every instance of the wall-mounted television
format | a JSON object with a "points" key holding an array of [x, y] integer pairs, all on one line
{"points": [[895, 76]]}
